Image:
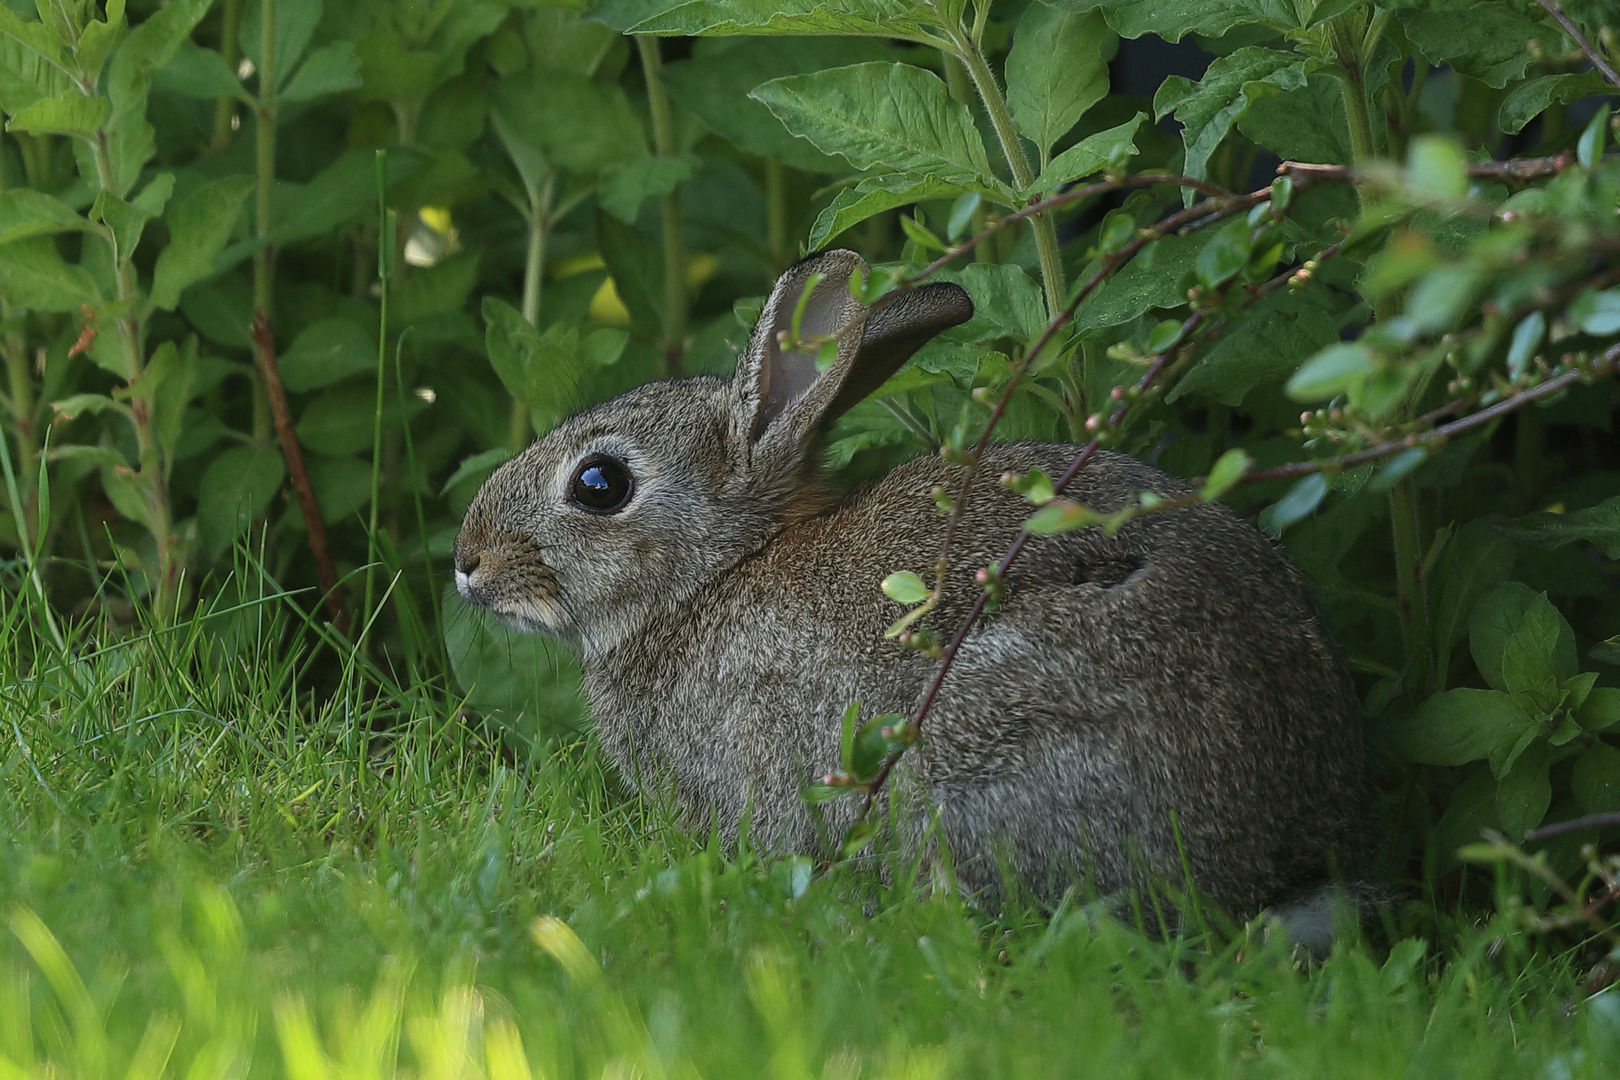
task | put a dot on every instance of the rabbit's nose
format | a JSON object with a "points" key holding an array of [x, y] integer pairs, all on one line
{"points": [[468, 563]]}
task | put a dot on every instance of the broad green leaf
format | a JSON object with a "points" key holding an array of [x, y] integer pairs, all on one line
{"points": [[1595, 780], [1514, 607], [1597, 313], [77, 405], [25, 212], [1006, 302], [1533, 97], [1055, 71], [1337, 369], [637, 265], [328, 70], [882, 18], [1062, 515], [324, 352], [393, 72], [1436, 168], [150, 45], [1601, 709], [98, 40], [1530, 669], [1262, 346], [197, 72], [128, 219], [525, 684], [32, 35], [626, 187], [873, 196], [1306, 124], [1598, 524], [344, 191], [580, 124], [1460, 726], [198, 230], [33, 276], [891, 116], [295, 24], [440, 290], [714, 87], [1523, 795], [170, 378], [905, 588], [537, 372], [235, 490], [561, 39], [1155, 278], [1489, 42], [70, 114], [1208, 108], [340, 421], [1224, 254], [1224, 475], [1104, 150], [1477, 561], [26, 76], [1296, 505], [1171, 19]]}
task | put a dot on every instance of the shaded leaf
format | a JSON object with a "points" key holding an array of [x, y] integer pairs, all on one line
{"points": [[198, 230], [325, 351], [197, 72], [1055, 71], [236, 489], [883, 18], [34, 276], [25, 212], [1263, 346], [1598, 524], [1459, 726], [328, 70], [1208, 108], [1103, 150]]}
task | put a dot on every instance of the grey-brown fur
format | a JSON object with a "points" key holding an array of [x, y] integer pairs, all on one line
{"points": [[728, 614]]}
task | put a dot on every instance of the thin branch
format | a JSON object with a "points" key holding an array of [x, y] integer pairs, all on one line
{"points": [[1512, 169], [1592, 54], [1439, 436], [1563, 828], [308, 505]]}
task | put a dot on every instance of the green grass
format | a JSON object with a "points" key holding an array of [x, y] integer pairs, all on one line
{"points": [[215, 866]]}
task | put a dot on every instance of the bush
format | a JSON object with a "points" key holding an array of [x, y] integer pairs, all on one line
{"points": [[288, 281]]}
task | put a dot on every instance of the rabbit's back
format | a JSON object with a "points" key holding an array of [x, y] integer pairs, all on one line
{"points": [[1173, 677]]}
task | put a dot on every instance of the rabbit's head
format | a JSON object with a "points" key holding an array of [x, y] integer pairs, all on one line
{"points": [[637, 503]]}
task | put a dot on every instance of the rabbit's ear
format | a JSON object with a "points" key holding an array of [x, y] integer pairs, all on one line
{"points": [[782, 395]]}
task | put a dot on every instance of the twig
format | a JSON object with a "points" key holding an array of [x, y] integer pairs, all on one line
{"points": [[308, 505], [1438, 436], [1592, 54], [1512, 169], [1562, 828]]}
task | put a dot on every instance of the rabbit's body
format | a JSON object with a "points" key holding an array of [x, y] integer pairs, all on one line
{"points": [[1171, 679]]}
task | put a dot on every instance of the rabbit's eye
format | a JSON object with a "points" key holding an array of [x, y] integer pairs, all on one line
{"points": [[601, 484]]}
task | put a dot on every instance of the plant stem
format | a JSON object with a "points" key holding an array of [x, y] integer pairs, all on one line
{"points": [[264, 257], [534, 272], [1347, 50], [230, 46], [674, 331], [1046, 245], [385, 269], [22, 418]]}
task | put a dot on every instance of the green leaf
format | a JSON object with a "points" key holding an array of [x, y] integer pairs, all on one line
{"points": [[1108, 149], [637, 265], [1601, 709], [893, 116], [340, 420], [1062, 515], [33, 276], [329, 70], [1224, 255], [1597, 313], [1172, 19], [881, 18], [295, 24], [1529, 667], [344, 191], [537, 372], [1489, 42], [1307, 124], [1055, 71], [714, 87], [33, 35], [99, 39], [1436, 168], [1530, 99], [149, 46], [1523, 795], [1299, 503], [1511, 608], [576, 122], [1598, 524], [70, 114], [1460, 726], [128, 219], [235, 490], [1006, 302], [171, 377], [873, 196], [391, 71], [197, 72], [1224, 475], [1207, 109], [1263, 345], [1595, 780], [1156, 278], [25, 212], [198, 230], [1335, 370], [626, 187], [325, 351], [905, 588], [1476, 563], [525, 684], [77, 405]]}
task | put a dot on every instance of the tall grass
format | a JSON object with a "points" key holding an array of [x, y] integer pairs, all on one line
{"points": [[234, 849]]}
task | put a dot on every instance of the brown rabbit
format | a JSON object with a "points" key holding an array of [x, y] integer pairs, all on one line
{"points": [[1166, 691]]}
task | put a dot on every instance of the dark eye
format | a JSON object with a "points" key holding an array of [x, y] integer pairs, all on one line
{"points": [[601, 484]]}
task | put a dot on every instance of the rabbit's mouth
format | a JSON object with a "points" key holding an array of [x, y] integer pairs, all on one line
{"points": [[508, 581]]}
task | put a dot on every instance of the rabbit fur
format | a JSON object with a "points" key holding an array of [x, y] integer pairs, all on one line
{"points": [[1166, 692]]}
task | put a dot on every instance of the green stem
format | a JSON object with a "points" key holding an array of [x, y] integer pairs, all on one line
{"points": [[675, 299], [534, 272], [230, 47], [1347, 50], [1046, 245], [23, 420], [385, 268], [264, 257]]}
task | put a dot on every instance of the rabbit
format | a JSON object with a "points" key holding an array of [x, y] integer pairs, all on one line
{"points": [[1139, 706]]}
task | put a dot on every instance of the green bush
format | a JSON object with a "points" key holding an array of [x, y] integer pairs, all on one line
{"points": [[282, 282]]}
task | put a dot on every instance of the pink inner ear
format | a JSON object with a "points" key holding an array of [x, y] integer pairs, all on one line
{"points": [[788, 377]]}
